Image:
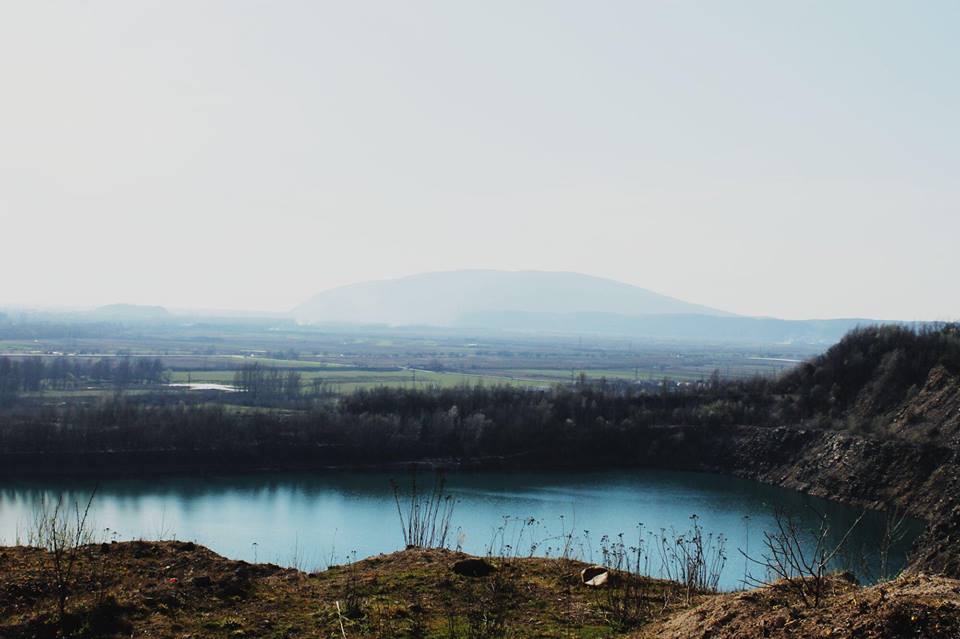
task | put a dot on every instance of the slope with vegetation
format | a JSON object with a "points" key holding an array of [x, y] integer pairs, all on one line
{"points": [[175, 589]]}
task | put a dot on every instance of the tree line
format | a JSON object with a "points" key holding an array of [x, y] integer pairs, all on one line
{"points": [[61, 373], [613, 422]]}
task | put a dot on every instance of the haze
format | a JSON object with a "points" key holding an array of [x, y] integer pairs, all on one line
{"points": [[786, 159]]}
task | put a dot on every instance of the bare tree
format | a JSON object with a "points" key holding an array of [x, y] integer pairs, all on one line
{"points": [[801, 557], [63, 531], [894, 530]]}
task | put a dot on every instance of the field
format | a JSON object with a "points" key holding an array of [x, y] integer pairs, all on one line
{"points": [[343, 360]]}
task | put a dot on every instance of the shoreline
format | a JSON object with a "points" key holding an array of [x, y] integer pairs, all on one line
{"points": [[844, 468]]}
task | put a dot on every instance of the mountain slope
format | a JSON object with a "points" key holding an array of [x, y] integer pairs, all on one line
{"points": [[669, 326], [445, 298]]}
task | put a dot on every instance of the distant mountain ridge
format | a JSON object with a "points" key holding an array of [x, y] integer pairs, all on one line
{"points": [[685, 327], [448, 298], [558, 303]]}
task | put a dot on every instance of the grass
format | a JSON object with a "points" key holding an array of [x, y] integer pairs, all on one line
{"points": [[351, 360], [178, 589], [349, 380]]}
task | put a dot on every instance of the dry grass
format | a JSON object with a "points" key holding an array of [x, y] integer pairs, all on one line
{"points": [[183, 591], [180, 590]]}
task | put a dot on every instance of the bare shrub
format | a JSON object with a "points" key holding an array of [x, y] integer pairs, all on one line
{"points": [[62, 531], [692, 558], [798, 556], [428, 514], [894, 530], [516, 537], [628, 601]]}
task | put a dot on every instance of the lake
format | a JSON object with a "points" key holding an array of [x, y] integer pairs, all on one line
{"points": [[311, 520]]}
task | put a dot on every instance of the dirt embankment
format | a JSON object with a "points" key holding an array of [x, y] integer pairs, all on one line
{"points": [[910, 606], [183, 591]]}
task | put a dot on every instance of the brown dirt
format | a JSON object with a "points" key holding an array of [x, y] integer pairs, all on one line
{"points": [[911, 606], [180, 590], [183, 591]]}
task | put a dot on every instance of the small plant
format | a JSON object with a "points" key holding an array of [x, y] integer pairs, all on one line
{"points": [[627, 601], [692, 558], [428, 514], [487, 619], [353, 599]]}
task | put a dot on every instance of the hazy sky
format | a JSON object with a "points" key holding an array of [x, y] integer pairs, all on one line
{"points": [[797, 159]]}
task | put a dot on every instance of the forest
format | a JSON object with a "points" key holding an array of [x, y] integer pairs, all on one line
{"points": [[273, 420]]}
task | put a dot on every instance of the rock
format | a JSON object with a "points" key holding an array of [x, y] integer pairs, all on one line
{"points": [[201, 581], [473, 567], [232, 586], [595, 576]]}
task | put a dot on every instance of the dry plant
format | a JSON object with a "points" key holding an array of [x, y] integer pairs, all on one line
{"points": [[628, 601], [692, 558], [894, 530], [428, 514], [62, 531], [800, 557]]}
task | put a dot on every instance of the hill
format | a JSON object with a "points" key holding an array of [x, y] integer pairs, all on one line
{"points": [[448, 298], [881, 378], [175, 589]]}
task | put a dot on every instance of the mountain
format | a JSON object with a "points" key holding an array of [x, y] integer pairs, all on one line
{"points": [[452, 297], [688, 327]]}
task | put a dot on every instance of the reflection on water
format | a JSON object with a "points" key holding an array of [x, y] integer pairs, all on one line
{"points": [[200, 386], [313, 519]]}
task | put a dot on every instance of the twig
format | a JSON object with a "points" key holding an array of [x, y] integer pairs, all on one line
{"points": [[340, 619]]}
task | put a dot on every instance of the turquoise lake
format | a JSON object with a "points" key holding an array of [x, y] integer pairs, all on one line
{"points": [[310, 520]]}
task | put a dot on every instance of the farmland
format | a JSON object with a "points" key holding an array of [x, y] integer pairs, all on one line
{"points": [[342, 360]]}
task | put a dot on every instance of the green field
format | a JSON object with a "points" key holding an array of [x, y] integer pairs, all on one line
{"points": [[346, 360], [345, 381]]}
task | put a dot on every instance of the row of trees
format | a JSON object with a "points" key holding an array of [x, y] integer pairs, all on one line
{"points": [[387, 424], [267, 384], [37, 373], [612, 421]]}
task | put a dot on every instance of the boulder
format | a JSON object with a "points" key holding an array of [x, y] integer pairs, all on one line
{"points": [[473, 567], [202, 581], [595, 576]]}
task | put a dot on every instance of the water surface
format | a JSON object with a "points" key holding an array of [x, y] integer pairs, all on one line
{"points": [[313, 519]]}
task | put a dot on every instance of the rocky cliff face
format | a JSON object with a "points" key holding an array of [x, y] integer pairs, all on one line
{"points": [[912, 462]]}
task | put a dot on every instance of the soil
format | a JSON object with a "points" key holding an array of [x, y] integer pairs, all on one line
{"points": [[184, 591], [910, 606], [181, 590]]}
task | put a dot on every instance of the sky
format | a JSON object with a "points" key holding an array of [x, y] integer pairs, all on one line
{"points": [[789, 159]]}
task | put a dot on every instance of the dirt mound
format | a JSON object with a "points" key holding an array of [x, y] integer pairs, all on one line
{"points": [[915, 606], [181, 590]]}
